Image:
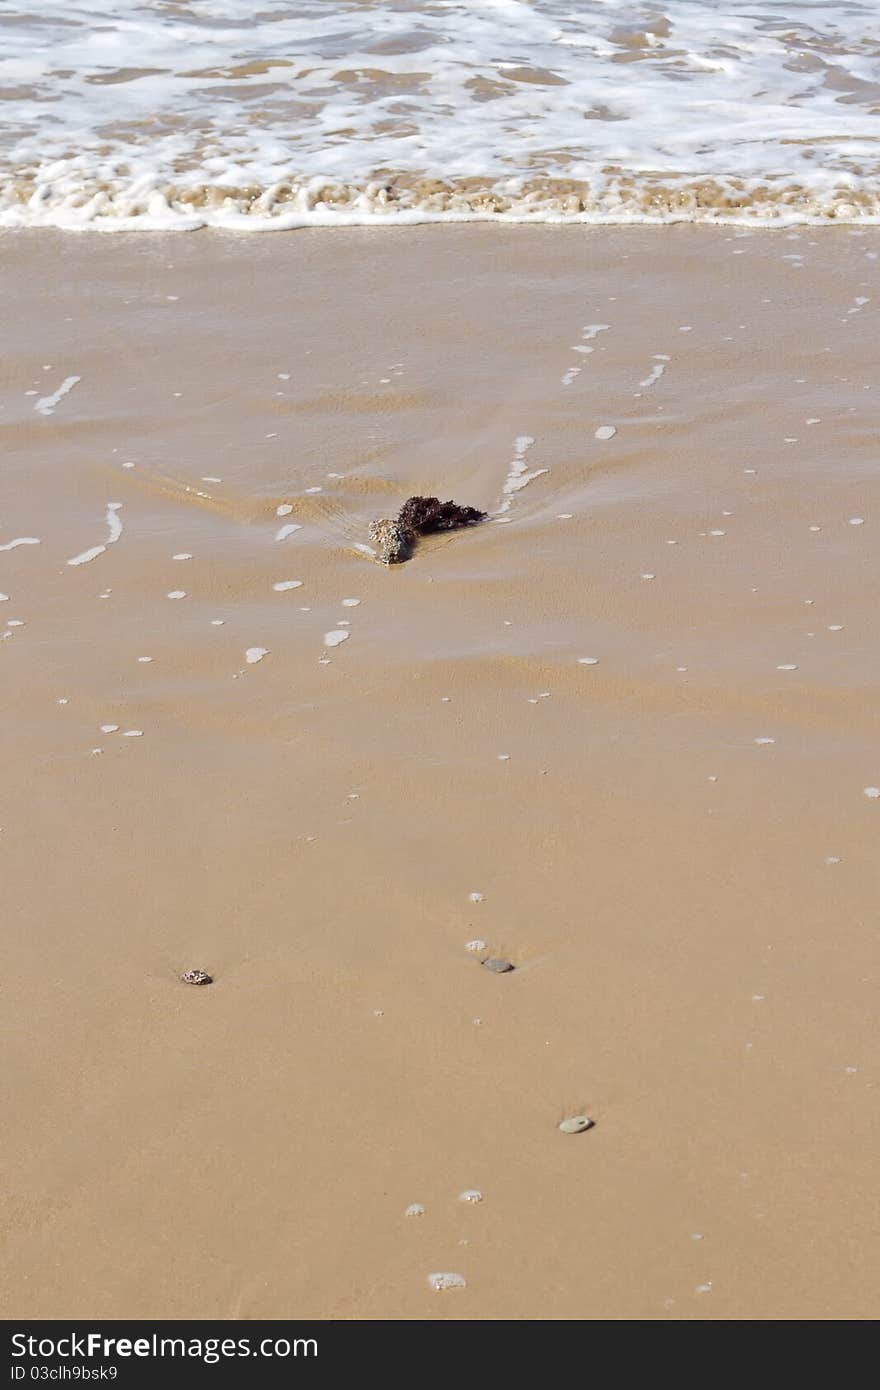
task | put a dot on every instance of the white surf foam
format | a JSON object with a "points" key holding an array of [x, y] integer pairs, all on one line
{"points": [[46, 404], [518, 475], [20, 540], [340, 111], [114, 527]]}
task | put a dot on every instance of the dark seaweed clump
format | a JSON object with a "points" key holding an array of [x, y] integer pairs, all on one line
{"points": [[426, 515]]}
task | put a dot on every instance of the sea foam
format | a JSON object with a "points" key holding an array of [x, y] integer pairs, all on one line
{"points": [[339, 112]]}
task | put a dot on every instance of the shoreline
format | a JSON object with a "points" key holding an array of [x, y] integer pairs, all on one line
{"points": [[626, 738]]}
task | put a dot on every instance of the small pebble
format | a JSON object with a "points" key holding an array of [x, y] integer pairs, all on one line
{"points": [[196, 977], [498, 965], [415, 1209], [439, 1282], [576, 1124]]}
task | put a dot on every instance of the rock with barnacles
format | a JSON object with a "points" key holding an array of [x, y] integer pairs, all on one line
{"points": [[394, 542], [395, 538], [196, 977]]}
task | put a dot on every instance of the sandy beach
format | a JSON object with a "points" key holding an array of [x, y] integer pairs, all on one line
{"points": [[624, 733]]}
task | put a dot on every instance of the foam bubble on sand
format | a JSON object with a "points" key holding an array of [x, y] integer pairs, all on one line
{"points": [[414, 1209], [4, 598], [177, 593], [332, 639], [872, 793], [145, 659], [182, 555], [284, 584], [570, 375], [475, 897], [87, 555], [114, 528], [442, 1281], [133, 733], [471, 1195], [284, 510], [605, 432], [20, 540], [857, 521], [588, 661], [764, 740], [475, 946], [217, 622], [350, 602], [786, 668], [109, 728], [654, 376], [592, 330], [255, 654], [46, 404], [209, 478], [835, 627], [517, 475], [114, 522], [284, 531]]}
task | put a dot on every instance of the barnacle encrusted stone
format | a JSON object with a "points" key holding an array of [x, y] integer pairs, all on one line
{"points": [[196, 977], [394, 542]]}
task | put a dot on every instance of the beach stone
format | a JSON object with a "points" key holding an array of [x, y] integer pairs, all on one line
{"points": [[498, 965], [576, 1124], [196, 977], [394, 541], [439, 1282]]}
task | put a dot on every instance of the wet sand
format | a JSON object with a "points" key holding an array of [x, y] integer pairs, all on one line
{"points": [[673, 843]]}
